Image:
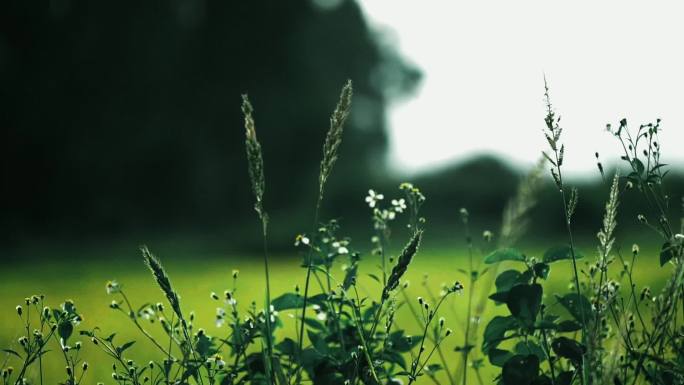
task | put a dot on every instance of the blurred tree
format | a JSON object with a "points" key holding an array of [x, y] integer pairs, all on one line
{"points": [[123, 115]]}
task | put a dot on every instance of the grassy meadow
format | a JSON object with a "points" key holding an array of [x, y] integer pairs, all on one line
{"points": [[196, 274]]}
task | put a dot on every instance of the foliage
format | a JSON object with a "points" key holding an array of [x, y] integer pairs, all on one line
{"points": [[603, 329]]}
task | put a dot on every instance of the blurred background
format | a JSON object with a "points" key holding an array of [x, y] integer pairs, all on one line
{"points": [[121, 125], [121, 121]]}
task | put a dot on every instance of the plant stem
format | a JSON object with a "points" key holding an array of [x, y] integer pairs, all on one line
{"points": [[269, 332], [306, 291]]}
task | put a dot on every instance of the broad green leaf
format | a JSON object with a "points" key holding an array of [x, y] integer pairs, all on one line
{"points": [[524, 301], [287, 346], [507, 254], [577, 306], [530, 347], [543, 380], [558, 253], [568, 348], [498, 357], [506, 280], [520, 370], [402, 343], [64, 330], [496, 330], [499, 297], [395, 357], [295, 301], [541, 270], [568, 326]]}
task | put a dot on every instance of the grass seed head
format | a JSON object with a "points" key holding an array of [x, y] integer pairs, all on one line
{"points": [[162, 279], [255, 158], [402, 263], [334, 137]]}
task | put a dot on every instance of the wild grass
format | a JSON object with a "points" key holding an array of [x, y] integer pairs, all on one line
{"points": [[351, 328]]}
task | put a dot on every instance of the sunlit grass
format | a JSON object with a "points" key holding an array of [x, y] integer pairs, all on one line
{"points": [[197, 275]]}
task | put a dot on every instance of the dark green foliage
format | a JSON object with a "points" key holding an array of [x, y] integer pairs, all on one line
{"points": [[508, 254], [523, 302], [520, 370]]}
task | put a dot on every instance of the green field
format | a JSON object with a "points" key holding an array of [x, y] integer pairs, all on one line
{"points": [[198, 274]]}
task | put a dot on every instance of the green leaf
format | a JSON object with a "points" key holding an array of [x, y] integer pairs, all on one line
{"points": [[496, 330], [530, 347], [506, 280], [667, 252], [401, 343], [287, 346], [568, 348], [125, 346], [524, 301], [506, 254], [498, 357], [64, 330], [638, 166], [350, 277], [566, 377], [394, 357], [559, 253], [499, 297], [568, 326], [520, 370], [12, 352], [577, 306], [318, 342], [541, 270], [542, 380], [295, 301]]}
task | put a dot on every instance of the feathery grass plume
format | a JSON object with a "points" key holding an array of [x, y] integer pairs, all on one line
{"points": [[162, 279], [334, 137], [514, 224], [514, 221], [254, 159], [402, 263], [595, 352], [605, 236]]}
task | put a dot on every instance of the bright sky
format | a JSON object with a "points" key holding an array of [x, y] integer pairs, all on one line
{"points": [[483, 64]]}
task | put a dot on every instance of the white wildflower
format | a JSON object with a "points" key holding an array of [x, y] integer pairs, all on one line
{"points": [[399, 205], [373, 198]]}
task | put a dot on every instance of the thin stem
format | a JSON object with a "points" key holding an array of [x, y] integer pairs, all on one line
{"points": [[466, 344], [269, 333], [306, 290]]}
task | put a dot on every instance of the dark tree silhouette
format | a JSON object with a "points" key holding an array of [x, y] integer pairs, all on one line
{"points": [[121, 115]]}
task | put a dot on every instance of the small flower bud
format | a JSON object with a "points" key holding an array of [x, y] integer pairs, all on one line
{"points": [[20, 310]]}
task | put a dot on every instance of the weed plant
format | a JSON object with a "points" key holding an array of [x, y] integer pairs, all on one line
{"points": [[604, 329]]}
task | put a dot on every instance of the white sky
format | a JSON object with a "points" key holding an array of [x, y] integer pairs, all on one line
{"points": [[483, 64]]}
